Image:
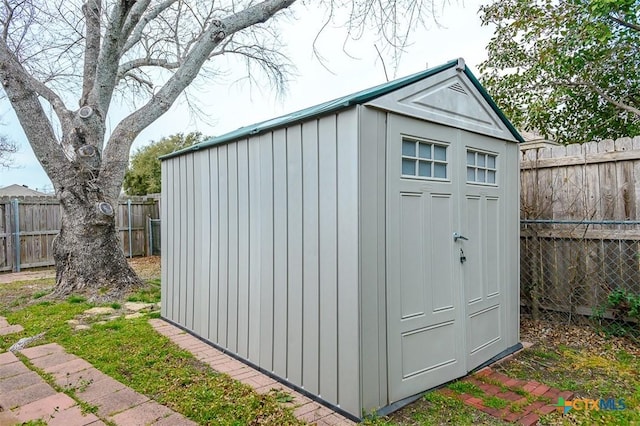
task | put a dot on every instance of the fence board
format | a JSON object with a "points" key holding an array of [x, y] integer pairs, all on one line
{"points": [[572, 267], [40, 222]]}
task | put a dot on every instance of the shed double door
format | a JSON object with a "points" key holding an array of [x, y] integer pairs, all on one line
{"points": [[445, 251]]}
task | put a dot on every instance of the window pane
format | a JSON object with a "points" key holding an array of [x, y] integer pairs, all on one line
{"points": [[491, 176], [481, 158], [471, 174], [440, 153], [425, 150], [408, 167], [440, 170], [491, 161], [408, 148], [481, 176], [471, 158], [424, 169]]}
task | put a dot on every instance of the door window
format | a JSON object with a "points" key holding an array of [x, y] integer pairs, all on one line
{"points": [[422, 159], [481, 167]]}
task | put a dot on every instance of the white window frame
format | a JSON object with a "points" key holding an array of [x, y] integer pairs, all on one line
{"points": [[417, 158], [487, 170]]}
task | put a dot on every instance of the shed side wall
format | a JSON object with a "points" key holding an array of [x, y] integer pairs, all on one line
{"points": [[373, 124], [261, 237]]}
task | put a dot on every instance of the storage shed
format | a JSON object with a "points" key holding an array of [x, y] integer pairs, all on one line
{"points": [[363, 250]]}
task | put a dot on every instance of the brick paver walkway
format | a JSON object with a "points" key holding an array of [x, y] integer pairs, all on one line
{"points": [[6, 328], [25, 395], [305, 409], [524, 401]]}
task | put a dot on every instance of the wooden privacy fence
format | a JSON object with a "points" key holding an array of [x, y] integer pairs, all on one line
{"points": [[28, 226], [580, 228]]}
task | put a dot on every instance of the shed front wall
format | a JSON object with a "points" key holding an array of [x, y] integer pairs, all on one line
{"points": [[377, 365], [260, 241]]}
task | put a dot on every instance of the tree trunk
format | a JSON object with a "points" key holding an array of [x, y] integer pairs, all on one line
{"points": [[88, 255]]}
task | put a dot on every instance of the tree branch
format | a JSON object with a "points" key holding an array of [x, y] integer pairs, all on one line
{"points": [[624, 23], [146, 62], [117, 151], [109, 58], [8, 58], [91, 10], [141, 81], [613, 101], [136, 34], [604, 95], [22, 91]]}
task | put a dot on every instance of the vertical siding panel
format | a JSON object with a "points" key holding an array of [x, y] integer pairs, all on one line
{"points": [[214, 261], [280, 250], [232, 290], [178, 234], [381, 147], [348, 306], [184, 239], [371, 183], [223, 251], [189, 241], [294, 306], [243, 249], [266, 252], [202, 226], [253, 300], [197, 241], [180, 248], [328, 259], [166, 261], [310, 308]]}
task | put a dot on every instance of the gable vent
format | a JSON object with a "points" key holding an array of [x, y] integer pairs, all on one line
{"points": [[457, 87]]}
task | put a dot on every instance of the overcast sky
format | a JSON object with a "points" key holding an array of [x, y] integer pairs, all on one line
{"points": [[230, 104]]}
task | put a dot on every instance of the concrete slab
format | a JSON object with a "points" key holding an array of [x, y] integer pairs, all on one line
{"points": [[11, 329], [8, 419], [45, 408], [24, 396], [13, 369], [20, 381], [42, 350], [119, 401], [7, 358], [73, 366], [53, 359], [99, 389], [175, 420], [80, 380], [73, 416], [145, 413]]}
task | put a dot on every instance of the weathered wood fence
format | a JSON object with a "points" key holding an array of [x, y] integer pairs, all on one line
{"points": [[580, 233], [28, 226]]}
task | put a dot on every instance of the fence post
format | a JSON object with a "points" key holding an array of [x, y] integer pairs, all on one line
{"points": [[150, 235], [15, 203], [129, 223]]}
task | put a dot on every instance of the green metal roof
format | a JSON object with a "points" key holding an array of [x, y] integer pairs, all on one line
{"points": [[360, 97]]}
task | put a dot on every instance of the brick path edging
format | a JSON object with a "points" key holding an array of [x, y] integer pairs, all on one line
{"points": [[25, 396], [493, 383], [305, 409]]}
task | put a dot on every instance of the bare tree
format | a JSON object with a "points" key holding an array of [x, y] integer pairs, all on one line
{"points": [[54, 53], [7, 148]]}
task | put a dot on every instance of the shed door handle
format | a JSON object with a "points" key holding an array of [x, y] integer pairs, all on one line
{"points": [[457, 237]]}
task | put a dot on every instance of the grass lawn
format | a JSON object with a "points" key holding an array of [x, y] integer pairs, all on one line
{"points": [[574, 358], [569, 358], [132, 352]]}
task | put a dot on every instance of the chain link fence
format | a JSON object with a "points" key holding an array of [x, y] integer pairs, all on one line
{"points": [[581, 272]]}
